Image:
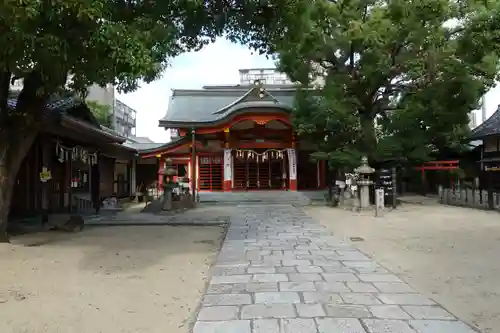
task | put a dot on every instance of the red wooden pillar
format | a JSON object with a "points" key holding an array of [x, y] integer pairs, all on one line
{"points": [[161, 167]]}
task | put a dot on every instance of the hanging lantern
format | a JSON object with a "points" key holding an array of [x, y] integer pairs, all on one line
{"points": [[61, 155]]}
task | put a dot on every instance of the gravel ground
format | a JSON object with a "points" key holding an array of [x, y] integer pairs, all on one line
{"points": [[447, 253], [106, 279]]}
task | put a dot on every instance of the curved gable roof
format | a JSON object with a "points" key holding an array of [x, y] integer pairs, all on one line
{"points": [[208, 106]]}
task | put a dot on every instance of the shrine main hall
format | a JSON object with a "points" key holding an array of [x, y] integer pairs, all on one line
{"points": [[238, 138]]}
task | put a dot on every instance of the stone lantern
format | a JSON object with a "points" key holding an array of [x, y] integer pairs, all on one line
{"points": [[168, 184], [364, 182]]}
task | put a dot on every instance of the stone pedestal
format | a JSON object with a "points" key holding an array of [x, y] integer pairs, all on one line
{"points": [[364, 183], [167, 199], [364, 195]]}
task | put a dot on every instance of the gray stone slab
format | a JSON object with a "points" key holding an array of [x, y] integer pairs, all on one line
{"points": [[388, 326], [232, 326], [270, 278], [360, 298], [261, 311], [388, 312], [361, 287], [394, 287], [340, 277], [213, 313], [337, 269], [286, 269], [339, 325], [297, 286], [233, 288], [282, 297], [298, 326], [334, 287], [347, 311], [439, 326], [405, 299], [290, 262], [303, 280], [309, 269], [253, 287], [219, 279], [226, 299], [261, 270], [322, 297], [265, 326], [310, 310], [218, 270], [428, 312], [325, 262], [298, 277]]}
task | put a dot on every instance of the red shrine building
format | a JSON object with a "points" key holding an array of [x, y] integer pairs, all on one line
{"points": [[238, 138]]}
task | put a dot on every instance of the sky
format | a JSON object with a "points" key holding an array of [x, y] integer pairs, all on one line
{"points": [[217, 63]]}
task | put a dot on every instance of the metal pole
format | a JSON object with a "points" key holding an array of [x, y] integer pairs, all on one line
{"points": [[193, 166]]}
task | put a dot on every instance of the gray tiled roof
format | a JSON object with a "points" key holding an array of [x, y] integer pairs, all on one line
{"points": [[489, 127], [143, 148], [54, 103], [140, 139], [211, 105]]}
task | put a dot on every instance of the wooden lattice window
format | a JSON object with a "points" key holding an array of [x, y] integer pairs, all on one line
{"points": [[211, 173]]}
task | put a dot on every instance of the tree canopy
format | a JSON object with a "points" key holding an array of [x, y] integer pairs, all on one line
{"points": [[101, 112], [56, 45], [397, 79]]}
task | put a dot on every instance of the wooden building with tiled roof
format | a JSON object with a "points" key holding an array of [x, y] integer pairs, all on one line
{"points": [[243, 139], [71, 161]]}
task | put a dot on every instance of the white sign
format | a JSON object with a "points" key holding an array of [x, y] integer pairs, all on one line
{"points": [[379, 198], [227, 165], [292, 163]]}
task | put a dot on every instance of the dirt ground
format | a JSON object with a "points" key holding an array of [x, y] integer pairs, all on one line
{"points": [[106, 279], [450, 254]]}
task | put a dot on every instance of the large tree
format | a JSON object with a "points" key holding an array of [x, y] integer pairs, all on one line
{"points": [[396, 78], [122, 42]]}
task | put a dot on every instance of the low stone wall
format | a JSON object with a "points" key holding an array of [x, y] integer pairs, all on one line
{"points": [[468, 198]]}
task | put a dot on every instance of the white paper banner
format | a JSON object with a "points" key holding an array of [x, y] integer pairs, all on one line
{"points": [[292, 163], [227, 165]]}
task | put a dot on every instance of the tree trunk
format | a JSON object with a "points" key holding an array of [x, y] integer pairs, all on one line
{"points": [[368, 144], [18, 130], [11, 157]]}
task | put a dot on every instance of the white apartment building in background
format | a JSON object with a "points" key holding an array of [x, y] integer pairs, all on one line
{"points": [[266, 76], [102, 95], [123, 119], [472, 120]]}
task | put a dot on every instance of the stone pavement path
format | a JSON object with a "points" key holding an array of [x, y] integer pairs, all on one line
{"points": [[279, 271]]}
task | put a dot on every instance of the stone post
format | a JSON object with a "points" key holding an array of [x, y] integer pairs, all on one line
{"points": [[379, 201], [292, 168], [228, 170]]}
